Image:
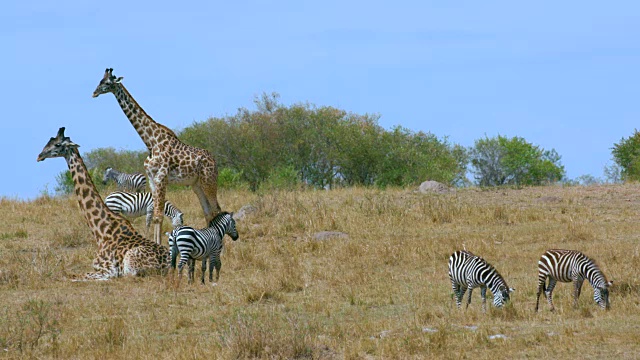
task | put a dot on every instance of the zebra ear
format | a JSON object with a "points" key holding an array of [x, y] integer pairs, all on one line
{"points": [[512, 290], [610, 283]]}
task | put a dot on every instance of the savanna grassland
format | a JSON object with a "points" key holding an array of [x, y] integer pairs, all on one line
{"points": [[381, 293]]}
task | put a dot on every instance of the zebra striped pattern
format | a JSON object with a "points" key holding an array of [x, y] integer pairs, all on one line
{"points": [[202, 244], [468, 271], [571, 266], [133, 205], [128, 182]]}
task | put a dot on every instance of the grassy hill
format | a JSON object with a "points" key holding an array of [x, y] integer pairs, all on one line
{"points": [[381, 293]]}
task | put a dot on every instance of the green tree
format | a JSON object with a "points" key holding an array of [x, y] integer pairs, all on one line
{"points": [[513, 161], [413, 157], [626, 154]]}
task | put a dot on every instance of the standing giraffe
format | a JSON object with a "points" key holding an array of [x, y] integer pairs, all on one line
{"points": [[170, 160], [121, 249]]}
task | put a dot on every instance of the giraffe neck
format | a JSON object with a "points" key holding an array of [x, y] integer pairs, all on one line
{"points": [[150, 131], [94, 209]]}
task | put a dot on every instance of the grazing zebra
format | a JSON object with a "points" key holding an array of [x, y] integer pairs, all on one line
{"points": [[202, 244], [130, 182], [571, 266], [133, 205], [467, 270]]}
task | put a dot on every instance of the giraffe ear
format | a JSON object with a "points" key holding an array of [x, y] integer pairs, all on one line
{"points": [[68, 143], [119, 79]]}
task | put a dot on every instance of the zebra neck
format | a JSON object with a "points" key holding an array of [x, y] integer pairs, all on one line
{"points": [[596, 279], [495, 282]]}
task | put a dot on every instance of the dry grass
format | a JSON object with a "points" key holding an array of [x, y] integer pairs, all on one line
{"points": [[382, 293]]}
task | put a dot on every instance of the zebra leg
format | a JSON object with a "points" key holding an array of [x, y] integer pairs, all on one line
{"points": [[212, 265], [184, 259], [469, 296], [218, 265], [578, 287], [204, 270], [541, 288], [456, 293], [549, 292], [192, 270], [483, 294]]}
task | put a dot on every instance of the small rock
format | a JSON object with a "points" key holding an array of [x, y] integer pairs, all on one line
{"points": [[325, 235], [497, 336], [433, 187]]}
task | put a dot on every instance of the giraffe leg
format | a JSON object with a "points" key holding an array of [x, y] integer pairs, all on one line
{"points": [[141, 260], [158, 211], [209, 210], [157, 170]]}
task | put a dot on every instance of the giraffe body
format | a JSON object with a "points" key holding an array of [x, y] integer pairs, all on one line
{"points": [[170, 160], [121, 249]]}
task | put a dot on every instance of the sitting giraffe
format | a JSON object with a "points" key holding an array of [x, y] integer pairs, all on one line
{"points": [[170, 160], [121, 249]]}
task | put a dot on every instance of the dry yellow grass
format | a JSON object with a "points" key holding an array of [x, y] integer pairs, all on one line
{"points": [[383, 293]]}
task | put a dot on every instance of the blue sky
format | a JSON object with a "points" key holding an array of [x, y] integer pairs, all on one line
{"points": [[563, 75]]}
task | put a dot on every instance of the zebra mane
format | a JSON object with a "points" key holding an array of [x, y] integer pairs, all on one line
{"points": [[219, 218], [593, 271], [499, 278]]}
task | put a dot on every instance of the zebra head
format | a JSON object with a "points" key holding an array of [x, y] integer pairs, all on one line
{"points": [[177, 220], [107, 84], [502, 296], [108, 174], [231, 228], [601, 295], [59, 146]]}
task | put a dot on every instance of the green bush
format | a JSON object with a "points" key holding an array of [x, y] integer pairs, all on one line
{"points": [[282, 178], [230, 179]]}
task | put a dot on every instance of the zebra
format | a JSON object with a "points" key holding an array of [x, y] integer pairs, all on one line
{"points": [[194, 245], [132, 182], [467, 270], [571, 266], [133, 205]]}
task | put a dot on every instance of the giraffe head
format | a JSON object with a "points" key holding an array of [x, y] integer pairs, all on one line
{"points": [[107, 84], [58, 146]]}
